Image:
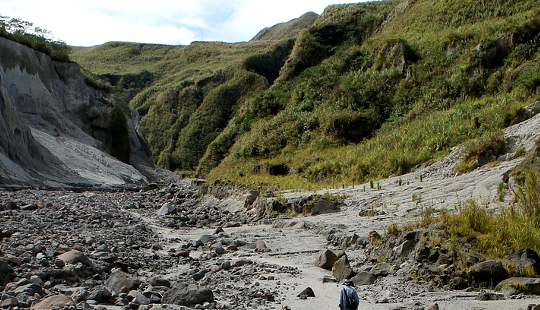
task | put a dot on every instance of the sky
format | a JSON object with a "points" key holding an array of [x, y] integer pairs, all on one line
{"points": [[176, 22]]}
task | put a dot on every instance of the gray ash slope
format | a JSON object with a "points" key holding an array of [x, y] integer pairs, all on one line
{"points": [[56, 131]]}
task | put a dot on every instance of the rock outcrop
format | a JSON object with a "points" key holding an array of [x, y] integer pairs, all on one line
{"points": [[56, 131]]}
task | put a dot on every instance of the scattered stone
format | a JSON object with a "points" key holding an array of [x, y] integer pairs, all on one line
{"points": [[74, 257], [308, 292], [517, 285], [326, 259], [219, 250], [490, 272], [487, 296], [432, 307], [342, 269], [260, 247], [231, 224], [218, 231], [523, 261], [167, 208], [56, 301], [241, 262], [322, 206], [188, 295], [29, 207], [329, 279], [364, 278]]}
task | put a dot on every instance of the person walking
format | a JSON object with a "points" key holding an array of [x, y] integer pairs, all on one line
{"points": [[348, 297]]}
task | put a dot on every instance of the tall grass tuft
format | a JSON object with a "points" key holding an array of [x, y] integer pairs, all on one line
{"points": [[528, 196]]}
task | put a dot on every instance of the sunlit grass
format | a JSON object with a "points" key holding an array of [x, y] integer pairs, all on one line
{"points": [[395, 149], [396, 86]]}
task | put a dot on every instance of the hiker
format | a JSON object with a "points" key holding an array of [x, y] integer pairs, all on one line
{"points": [[348, 298]]}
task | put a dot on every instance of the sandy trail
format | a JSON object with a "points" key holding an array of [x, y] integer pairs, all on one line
{"points": [[297, 247]]}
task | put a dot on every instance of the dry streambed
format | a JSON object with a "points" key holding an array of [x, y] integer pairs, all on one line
{"points": [[216, 249]]}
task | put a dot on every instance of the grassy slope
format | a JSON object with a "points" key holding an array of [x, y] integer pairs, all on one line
{"points": [[189, 94], [436, 80], [370, 90]]}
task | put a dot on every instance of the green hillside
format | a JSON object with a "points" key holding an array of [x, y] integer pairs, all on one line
{"points": [[367, 91]]}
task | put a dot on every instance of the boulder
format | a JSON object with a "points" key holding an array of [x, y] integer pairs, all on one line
{"points": [[54, 302], [9, 303], [342, 269], [381, 270], [138, 298], [516, 285], [119, 279], [323, 205], [404, 248], [523, 262], [329, 279], [422, 253], [74, 257], [160, 282], [188, 295], [100, 294], [308, 292], [205, 239], [166, 209], [260, 246], [30, 289], [364, 278], [251, 196], [526, 113], [490, 272], [326, 259], [6, 272]]}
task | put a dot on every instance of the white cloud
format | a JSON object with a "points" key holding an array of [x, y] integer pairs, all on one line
{"points": [[87, 23]]}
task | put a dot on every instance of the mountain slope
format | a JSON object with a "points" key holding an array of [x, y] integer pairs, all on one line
{"points": [[367, 91], [185, 94]]}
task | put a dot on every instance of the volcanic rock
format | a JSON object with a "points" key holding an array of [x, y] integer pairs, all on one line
{"points": [[189, 295], [326, 259]]}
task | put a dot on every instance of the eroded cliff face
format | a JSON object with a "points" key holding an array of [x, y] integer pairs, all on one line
{"points": [[56, 131]]}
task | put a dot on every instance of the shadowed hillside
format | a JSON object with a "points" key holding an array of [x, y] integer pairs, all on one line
{"points": [[366, 91]]}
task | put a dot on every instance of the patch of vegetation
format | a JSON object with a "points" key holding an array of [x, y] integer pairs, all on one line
{"points": [[37, 38]]}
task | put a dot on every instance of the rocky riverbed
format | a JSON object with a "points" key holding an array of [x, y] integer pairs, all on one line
{"points": [[181, 247], [189, 245]]}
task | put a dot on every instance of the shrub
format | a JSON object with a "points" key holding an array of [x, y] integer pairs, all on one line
{"points": [[25, 33]]}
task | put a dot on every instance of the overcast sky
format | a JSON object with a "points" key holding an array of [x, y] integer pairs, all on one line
{"points": [[93, 22]]}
